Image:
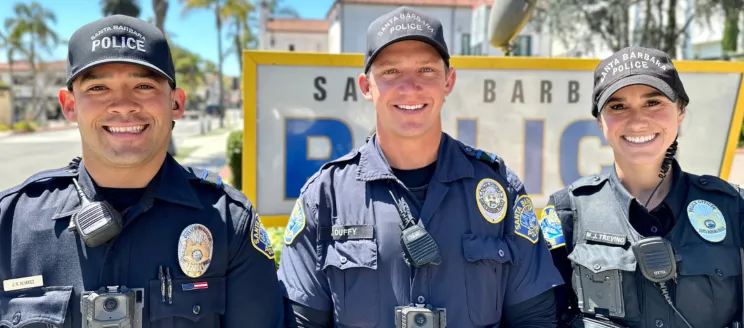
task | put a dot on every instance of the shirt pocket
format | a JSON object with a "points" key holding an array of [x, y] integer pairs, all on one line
{"points": [[351, 268], [195, 303], [485, 277], [39, 308], [707, 285], [604, 278]]}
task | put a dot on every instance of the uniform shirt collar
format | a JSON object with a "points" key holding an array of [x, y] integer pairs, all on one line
{"points": [[170, 184], [452, 164], [674, 199]]}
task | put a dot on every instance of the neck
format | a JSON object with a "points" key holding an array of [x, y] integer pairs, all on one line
{"points": [[410, 153], [108, 176], [641, 180]]}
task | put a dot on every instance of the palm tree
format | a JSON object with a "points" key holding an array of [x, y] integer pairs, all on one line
{"points": [[32, 21], [120, 7], [237, 12], [160, 8], [222, 12], [276, 9], [11, 47]]}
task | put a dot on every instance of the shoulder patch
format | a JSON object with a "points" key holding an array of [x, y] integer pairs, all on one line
{"points": [[707, 220], [296, 223], [550, 225], [525, 219], [260, 238], [491, 199]]}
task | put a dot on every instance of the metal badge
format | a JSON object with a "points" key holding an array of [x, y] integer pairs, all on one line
{"points": [[491, 199], [707, 220], [195, 250]]}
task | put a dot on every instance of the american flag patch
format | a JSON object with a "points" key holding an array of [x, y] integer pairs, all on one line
{"points": [[196, 285]]}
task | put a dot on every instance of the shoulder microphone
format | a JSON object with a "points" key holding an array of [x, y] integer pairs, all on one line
{"points": [[96, 222]]}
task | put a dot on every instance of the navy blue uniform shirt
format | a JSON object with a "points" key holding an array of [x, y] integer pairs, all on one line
{"points": [[343, 251], [238, 287]]}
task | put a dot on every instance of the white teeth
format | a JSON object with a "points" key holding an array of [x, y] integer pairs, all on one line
{"points": [[414, 107], [640, 139], [128, 129]]}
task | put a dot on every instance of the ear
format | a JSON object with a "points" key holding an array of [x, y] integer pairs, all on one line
{"points": [[364, 86], [450, 84], [67, 103], [681, 114], [179, 103]]}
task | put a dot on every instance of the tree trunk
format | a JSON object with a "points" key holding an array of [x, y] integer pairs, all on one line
{"points": [[670, 35], [13, 117], [238, 44], [221, 108], [160, 8], [731, 10]]}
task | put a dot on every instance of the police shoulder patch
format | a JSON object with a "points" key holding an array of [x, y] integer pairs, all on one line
{"points": [[707, 220], [550, 225], [296, 223], [491, 199], [260, 238], [525, 219], [195, 247]]}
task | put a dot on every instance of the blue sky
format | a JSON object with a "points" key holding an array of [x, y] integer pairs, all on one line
{"points": [[195, 31]]}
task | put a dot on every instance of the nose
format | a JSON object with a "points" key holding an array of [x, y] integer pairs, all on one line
{"points": [[409, 84], [638, 120], [123, 104]]}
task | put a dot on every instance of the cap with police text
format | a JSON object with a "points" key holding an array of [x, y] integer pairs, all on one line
{"points": [[404, 23], [119, 39], [632, 66]]}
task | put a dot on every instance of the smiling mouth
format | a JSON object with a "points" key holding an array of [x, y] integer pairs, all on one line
{"points": [[126, 129], [411, 108], [640, 140]]}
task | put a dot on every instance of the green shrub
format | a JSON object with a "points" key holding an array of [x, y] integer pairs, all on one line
{"points": [[28, 126], [4, 127], [741, 137], [277, 241], [235, 157]]}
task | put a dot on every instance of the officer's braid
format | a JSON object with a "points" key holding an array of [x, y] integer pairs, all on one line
{"points": [[666, 164]]}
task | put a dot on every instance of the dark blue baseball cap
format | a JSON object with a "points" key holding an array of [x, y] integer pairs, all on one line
{"points": [[404, 23], [119, 39]]}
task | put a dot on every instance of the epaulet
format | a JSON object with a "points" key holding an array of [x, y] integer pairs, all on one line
{"points": [[343, 159], [591, 180], [206, 177], [484, 156], [713, 183], [68, 171]]}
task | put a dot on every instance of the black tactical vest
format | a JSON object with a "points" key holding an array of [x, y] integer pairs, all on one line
{"points": [[605, 278]]}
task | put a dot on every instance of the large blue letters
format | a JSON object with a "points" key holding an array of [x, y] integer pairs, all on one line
{"points": [[569, 151], [298, 167]]}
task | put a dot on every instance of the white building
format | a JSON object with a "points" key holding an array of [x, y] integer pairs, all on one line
{"points": [[301, 35], [50, 78]]}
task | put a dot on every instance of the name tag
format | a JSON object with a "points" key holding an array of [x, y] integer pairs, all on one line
{"points": [[23, 283], [347, 232], [607, 238]]}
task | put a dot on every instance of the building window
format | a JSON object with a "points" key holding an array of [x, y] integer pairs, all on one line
{"points": [[291, 47], [522, 46], [273, 41], [465, 49]]}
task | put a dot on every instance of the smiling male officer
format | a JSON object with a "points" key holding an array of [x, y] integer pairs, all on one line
{"points": [[170, 247], [414, 227]]}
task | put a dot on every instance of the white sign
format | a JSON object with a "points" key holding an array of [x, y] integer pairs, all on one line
{"points": [[534, 113]]}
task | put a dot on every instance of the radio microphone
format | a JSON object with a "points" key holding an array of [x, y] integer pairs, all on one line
{"points": [[96, 222]]}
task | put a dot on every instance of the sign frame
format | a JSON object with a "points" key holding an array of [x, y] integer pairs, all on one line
{"points": [[252, 59]]}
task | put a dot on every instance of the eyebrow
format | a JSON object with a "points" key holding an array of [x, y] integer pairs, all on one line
{"points": [[651, 94], [90, 76]]}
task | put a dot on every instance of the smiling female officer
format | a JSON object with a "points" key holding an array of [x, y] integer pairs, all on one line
{"points": [[639, 103]]}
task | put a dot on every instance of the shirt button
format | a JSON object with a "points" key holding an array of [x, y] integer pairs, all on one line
{"points": [[719, 272], [654, 229], [501, 252], [597, 267], [421, 299], [343, 259], [196, 309], [703, 181], [659, 323], [16, 318]]}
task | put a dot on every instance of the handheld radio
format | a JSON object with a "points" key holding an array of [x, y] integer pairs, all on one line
{"points": [[96, 222]]}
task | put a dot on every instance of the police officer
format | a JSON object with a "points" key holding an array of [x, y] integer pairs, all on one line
{"points": [[414, 228], [126, 235], [605, 231]]}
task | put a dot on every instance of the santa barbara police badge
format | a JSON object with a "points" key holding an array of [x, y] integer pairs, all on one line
{"points": [[525, 219], [707, 220], [260, 238], [550, 225], [195, 247], [491, 200], [295, 224]]}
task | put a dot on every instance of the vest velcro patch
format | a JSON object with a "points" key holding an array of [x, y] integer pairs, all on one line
{"points": [[605, 238], [347, 232]]}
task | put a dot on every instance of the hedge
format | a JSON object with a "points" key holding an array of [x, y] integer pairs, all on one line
{"points": [[235, 157]]}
